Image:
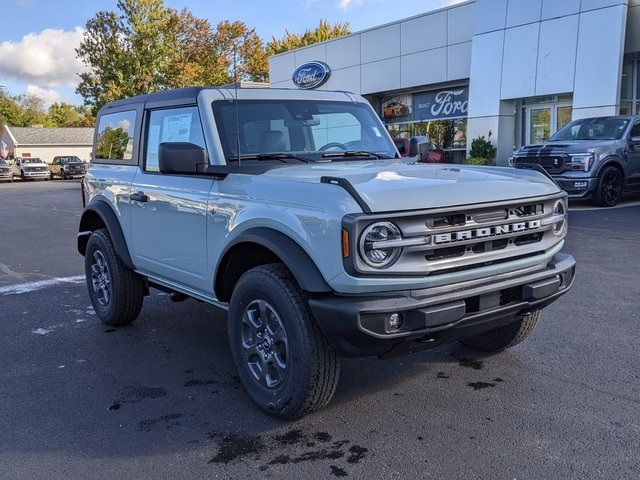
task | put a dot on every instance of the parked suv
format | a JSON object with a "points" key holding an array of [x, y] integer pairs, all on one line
{"points": [[30, 168], [596, 158], [293, 210], [67, 167]]}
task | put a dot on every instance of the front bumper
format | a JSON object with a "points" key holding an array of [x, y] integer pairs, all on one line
{"points": [[577, 188], [440, 314], [73, 174], [5, 177], [41, 175]]}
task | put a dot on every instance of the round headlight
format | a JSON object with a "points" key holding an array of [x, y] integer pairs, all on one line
{"points": [[375, 233], [560, 208]]}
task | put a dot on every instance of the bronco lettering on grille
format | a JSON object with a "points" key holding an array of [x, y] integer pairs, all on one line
{"points": [[486, 232]]}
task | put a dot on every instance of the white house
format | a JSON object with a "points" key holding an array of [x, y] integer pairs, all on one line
{"points": [[47, 143]]}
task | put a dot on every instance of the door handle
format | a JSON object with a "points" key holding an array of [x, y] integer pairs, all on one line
{"points": [[139, 197]]}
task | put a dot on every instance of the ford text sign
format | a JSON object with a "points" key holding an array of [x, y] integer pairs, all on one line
{"points": [[441, 104], [311, 75]]}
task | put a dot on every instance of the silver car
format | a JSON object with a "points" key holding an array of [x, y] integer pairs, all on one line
{"points": [[31, 168], [6, 175]]}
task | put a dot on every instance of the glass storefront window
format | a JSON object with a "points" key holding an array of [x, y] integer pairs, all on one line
{"points": [[563, 115], [447, 135], [540, 127], [638, 83], [626, 91], [626, 108]]}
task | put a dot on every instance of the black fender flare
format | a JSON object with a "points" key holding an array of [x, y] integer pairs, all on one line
{"points": [[87, 225], [611, 160], [286, 249]]}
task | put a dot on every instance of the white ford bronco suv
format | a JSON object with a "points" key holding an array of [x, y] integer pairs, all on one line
{"points": [[294, 211]]}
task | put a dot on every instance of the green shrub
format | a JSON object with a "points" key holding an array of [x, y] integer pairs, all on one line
{"points": [[477, 161], [482, 148]]}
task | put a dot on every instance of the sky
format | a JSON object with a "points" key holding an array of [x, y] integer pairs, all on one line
{"points": [[39, 37]]}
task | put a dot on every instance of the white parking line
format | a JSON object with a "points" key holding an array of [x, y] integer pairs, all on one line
{"points": [[38, 285]]}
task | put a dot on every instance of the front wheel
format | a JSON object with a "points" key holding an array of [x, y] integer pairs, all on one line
{"points": [[282, 357], [504, 337], [116, 291], [609, 189]]}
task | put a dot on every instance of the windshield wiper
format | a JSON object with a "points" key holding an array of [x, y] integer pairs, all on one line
{"points": [[283, 157], [355, 153]]}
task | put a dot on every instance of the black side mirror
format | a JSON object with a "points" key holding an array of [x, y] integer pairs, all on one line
{"points": [[419, 146], [181, 157]]}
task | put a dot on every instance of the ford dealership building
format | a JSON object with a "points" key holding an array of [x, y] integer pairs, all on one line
{"points": [[516, 70]]}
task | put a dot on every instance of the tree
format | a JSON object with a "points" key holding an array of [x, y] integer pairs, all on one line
{"points": [[145, 47], [10, 111], [126, 52], [323, 32], [67, 115], [112, 143], [206, 54]]}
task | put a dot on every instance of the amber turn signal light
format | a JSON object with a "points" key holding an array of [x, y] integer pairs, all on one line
{"points": [[345, 244]]}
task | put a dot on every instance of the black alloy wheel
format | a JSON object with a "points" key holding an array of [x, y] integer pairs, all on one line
{"points": [[610, 187]]}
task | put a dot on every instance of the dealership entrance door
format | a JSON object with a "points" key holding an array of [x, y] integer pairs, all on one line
{"points": [[540, 118]]}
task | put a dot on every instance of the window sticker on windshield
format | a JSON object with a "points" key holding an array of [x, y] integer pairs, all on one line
{"points": [[176, 128], [377, 132]]}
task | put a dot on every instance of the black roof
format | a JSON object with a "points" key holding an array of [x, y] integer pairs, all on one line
{"points": [[188, 94]]}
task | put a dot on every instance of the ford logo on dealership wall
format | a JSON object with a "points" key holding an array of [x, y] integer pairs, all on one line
{"points": [[311, 75]]}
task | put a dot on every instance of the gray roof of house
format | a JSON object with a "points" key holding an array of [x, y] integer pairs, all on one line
{"points": [[52, 136]]}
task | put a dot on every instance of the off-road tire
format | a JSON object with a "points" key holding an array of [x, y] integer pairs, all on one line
{"points": [[23, 177], [504, 337], [603, 196], [127, 287], [312, 366]]}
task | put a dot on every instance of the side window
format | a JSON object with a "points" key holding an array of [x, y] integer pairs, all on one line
{"points": [[635, 130], [171, 125], [115, 136]]}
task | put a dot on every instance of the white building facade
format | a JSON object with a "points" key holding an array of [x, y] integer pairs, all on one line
{"points": [[514, 71]]}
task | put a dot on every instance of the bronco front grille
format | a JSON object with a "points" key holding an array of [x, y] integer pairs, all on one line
{"points": [[468, 237]]}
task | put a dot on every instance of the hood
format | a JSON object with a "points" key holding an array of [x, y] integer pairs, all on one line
{"points": [[570, 147], [392, 185]]}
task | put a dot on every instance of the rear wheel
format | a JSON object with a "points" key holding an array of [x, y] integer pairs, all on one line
{"points": [[116, 291], [504, 337], [609, 189], [282, 357]]}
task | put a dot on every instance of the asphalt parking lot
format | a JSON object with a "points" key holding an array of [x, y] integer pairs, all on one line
{"points": [[159, 399]]}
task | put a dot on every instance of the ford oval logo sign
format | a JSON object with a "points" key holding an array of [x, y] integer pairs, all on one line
{"points": [[311, 75]]}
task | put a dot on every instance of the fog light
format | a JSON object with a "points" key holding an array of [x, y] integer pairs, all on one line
{"points": [[580, 184], [392, 322]]}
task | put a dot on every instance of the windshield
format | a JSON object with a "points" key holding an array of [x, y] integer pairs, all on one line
{"points": [[31, 160], [70, 160], [309, 128], [605, 128]]}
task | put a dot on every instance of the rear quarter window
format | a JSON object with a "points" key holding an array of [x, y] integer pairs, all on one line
{"points": [[115, 137]]}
